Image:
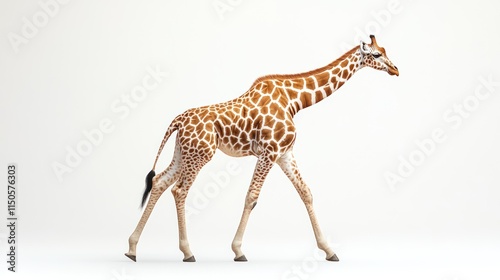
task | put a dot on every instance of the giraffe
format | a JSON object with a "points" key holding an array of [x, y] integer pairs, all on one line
{"points": [[258, 123]]}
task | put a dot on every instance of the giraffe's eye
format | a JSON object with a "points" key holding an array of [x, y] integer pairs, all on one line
{"points": [[377, 55]]}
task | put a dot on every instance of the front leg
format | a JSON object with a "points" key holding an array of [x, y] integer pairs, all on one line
{"points": [[264, 165], [289, 166]]}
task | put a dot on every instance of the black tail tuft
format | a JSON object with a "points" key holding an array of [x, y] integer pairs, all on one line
{"points": [[149, 186]]}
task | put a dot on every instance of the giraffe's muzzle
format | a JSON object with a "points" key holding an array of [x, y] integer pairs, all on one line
{"points": [[393, 71]]}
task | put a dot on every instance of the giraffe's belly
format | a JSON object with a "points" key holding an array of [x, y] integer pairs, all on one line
{"points": [[230, 150]]}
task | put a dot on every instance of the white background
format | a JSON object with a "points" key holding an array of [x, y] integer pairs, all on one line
{"points": [[441, 222]]}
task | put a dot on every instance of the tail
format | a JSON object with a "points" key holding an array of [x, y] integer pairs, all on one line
{"points": [[149, 186], [149, 178]]}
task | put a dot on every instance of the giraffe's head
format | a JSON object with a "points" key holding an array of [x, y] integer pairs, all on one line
{"points": [[374, 56]]}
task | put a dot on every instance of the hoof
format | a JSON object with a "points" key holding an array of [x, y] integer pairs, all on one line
{"points": [[132, 257], [241, 258], [190, 259], [333, 258]]}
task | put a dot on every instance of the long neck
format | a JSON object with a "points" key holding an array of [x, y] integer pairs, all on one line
{"points": [[310, 88]]}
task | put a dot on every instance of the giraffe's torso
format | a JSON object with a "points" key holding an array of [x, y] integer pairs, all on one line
{"points": [[257, 122], [260, 122]]}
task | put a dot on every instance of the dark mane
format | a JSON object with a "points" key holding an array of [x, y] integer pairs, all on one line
{"points": [[305, 74]]}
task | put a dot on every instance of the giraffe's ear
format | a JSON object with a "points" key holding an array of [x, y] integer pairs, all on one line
{"points": [[364, 48]]}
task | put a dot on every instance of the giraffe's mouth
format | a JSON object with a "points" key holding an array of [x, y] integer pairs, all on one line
{"points": [[393, 70]]}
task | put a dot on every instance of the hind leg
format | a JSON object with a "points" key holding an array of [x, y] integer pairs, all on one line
{"points": [[191, 165], [161, 182]]}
